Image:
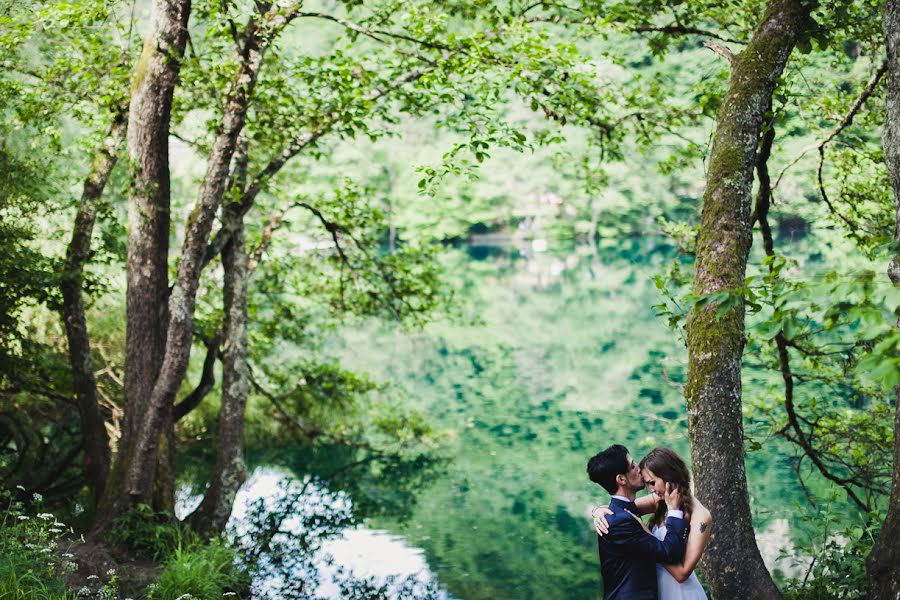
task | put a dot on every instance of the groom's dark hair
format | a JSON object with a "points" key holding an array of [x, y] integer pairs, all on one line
{"points": [[604, 467]]}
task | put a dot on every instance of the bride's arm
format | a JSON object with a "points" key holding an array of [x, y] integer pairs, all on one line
{"points": [[646, 505], [701, 527]]}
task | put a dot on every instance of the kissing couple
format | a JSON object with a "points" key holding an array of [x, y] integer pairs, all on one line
{"points": [[638, 562]]}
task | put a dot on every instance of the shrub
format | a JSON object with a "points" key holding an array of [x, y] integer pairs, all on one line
{"points": [[206, 572], [31, 564], [837, 564], [151, 534]]}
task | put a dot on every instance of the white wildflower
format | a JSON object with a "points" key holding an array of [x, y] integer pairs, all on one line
{"points": [[22, 518], [92, 577], [46, 550], [45, 516], [36, 497], [111, 572], [55, 530], [20, 487], [85, 591]]}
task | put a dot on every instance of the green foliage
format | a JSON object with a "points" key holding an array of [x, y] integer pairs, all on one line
{"points": [[149, 533], [32, 563], [834, 563], [36, 557], [204, 571]]}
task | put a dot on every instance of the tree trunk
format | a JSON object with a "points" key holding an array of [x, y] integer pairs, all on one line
{"points": [[732, 562], [93, 428], [230, 471], [883, 562], [158, 415], [155, 77]]}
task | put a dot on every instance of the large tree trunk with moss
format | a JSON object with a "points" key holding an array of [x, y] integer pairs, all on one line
{"points": [[147, 266], [883, 563], [230, 471], [732, 563], [93, 427]]}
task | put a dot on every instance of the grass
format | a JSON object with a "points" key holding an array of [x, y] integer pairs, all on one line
{"points": [[205, 571]]}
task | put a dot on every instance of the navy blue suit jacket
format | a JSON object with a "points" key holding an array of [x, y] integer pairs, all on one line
{"points": [[628, 554]]}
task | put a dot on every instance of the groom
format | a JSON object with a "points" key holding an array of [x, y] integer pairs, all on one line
{"points": [[628, 554]]}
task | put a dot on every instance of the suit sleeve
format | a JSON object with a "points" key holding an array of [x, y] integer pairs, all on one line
{"points": [[628, 538]]}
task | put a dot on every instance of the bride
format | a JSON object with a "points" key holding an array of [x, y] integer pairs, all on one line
{"points": [[662, 466]]}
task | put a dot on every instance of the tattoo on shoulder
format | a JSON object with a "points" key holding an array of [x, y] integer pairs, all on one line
{"points": [[703, 526]]}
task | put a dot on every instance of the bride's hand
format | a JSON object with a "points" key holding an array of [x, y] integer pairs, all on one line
{"points": [[599, 516], [673, 496], [638, 519]]}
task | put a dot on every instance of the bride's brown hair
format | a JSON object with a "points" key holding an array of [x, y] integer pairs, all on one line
{"points": [[669, 467]]}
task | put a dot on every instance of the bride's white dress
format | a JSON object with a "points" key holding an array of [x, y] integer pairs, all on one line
{"points": [[669, 588]]}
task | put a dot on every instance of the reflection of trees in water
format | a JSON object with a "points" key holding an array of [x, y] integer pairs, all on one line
{"points": [[281, 536], [377, 483]]}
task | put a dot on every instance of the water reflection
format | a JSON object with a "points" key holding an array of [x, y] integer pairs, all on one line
{"points": [[301, 542]]}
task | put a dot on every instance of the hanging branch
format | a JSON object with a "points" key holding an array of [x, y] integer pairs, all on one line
{"points": [[760, 213], [846, 121], [819, 147]]}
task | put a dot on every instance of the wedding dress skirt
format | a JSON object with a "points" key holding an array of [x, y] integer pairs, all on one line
{"points": [[669, 588]]}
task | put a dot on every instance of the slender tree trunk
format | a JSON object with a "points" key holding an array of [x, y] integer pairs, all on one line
{"points": [[732, 563], [255, 39], [883, 562], [230, 471], [93, 428], [153, 86]]}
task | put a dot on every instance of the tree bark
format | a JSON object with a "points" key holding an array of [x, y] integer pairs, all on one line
{"points": [[230, 471], [153, 86], [93, 428], [254, 41], [732, 563], [883, 562]]}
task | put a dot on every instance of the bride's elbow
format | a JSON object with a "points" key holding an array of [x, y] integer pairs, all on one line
{"points": [[681, 576]]}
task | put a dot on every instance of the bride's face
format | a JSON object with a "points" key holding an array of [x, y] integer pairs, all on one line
{"points": [[655, 485]]}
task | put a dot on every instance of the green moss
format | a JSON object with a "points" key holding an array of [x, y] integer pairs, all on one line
{"points": [[143, 65]]}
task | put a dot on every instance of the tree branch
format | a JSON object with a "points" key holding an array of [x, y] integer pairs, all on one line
{"points": [[207, 379], [845, 122], [676, 29]]}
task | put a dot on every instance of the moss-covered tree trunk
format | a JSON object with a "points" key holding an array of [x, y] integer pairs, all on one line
{"points": [[230, 470], [96, 459], [883, 563], [732, 564], [153, 86]]}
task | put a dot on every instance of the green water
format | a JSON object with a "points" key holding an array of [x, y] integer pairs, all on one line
{"points": [[559, 356]]}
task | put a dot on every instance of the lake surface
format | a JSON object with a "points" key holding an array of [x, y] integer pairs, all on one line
{"points": [[558, 355]]}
